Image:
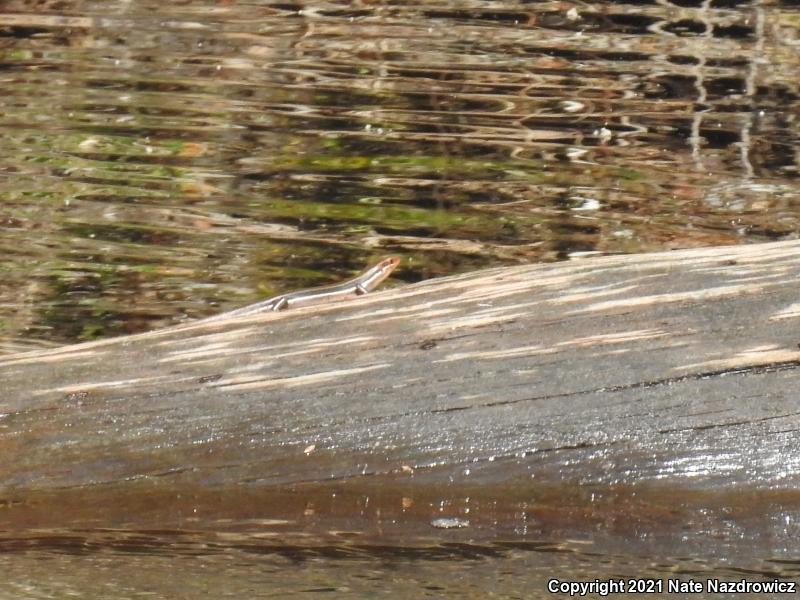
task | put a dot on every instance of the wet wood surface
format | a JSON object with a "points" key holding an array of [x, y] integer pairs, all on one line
{"points": [[677, 367]]}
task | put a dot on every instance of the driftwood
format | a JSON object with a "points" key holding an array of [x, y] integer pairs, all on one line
{"points": [[657, 380]]}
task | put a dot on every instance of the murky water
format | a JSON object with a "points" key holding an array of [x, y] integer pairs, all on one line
{"points": [[162, 161], [346, 541], [167, 160], [211, 570]]}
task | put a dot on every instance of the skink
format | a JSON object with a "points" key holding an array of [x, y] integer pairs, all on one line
{"points": [[363, 284]]}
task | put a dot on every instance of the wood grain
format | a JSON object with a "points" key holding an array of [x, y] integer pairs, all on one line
{"points": [[675, 369]]}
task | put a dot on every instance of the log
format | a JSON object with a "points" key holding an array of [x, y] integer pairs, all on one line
{"points": [[603, 390]]}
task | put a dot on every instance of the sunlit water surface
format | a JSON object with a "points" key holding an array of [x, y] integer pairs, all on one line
{"points": [[165, 564], [164, 161]]}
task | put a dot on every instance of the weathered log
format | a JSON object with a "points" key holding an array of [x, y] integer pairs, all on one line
{"points": [[637, 374]]}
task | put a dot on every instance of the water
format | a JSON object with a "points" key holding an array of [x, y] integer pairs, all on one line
{"points": [[165, 161], [158, 538], [132, 568]]}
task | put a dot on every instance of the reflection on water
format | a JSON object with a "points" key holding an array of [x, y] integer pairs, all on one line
{"points": [[168, 160], [338, 572], [359, 540], [161, 160], [116, 564]]}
